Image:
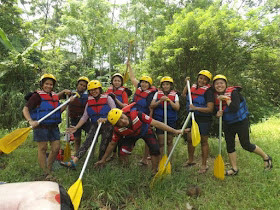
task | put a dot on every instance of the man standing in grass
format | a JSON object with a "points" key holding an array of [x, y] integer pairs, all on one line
{"points": [[129, 126]]}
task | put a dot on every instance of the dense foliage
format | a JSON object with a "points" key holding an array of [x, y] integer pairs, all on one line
{"points": [[176, 38]]}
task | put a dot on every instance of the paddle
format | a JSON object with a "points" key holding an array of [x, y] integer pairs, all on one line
{"points": [[194, 130], [219, 165], [164, 157], [11, 141], [162, 170], [126, 74], [67, 149], [76, 190]]}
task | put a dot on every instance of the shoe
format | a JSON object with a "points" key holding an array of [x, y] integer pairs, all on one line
{"points": [[187, 164], [71, 166], [203, 170], [269, 163], [235, 172]]}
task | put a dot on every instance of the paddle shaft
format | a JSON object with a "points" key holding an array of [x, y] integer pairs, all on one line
{"points": [[129, 52], [67, 121], [190, 96], [220, 129], [90, 150], [165, 122], [57, 108], [178, 138]]}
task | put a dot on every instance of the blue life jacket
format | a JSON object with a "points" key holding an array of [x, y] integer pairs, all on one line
{"points": [[140, 97], [228, 116], [159, 110], [98, 109], [48, 103], [118, 93], [198, 99]]}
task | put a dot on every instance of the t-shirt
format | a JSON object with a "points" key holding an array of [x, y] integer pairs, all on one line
{"points": [[142, 117], [34, 101], [209, 97]]}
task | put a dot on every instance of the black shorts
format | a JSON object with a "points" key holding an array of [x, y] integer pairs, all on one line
{"points": [[85, 127]]}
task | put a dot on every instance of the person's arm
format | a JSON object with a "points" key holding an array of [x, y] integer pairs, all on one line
{"points": [[132, 77], [185, 91], [82, 121], [175, 105], [27, 116], [64, 92], [164, 127], [234, 102], [209, 99], [110, 148]]}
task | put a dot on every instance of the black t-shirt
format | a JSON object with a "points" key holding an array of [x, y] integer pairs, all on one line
{"points": [[209, 97]]}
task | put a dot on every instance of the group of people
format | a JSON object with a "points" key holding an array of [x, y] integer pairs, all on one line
{"points": [[123, 123]]}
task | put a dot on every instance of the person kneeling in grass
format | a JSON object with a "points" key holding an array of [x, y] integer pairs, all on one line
{"points": [[129, 126], [235, 121]]}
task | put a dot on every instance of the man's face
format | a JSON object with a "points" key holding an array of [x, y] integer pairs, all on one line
{"points": [[123, 121], [82, 86]]}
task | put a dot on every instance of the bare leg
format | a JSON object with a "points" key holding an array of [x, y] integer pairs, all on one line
{"points": [[155, 161], [55, 145], [191, 149], [42, 149], [261, 153], [146, 154], [233, 162], [161, 143], [204, 151]]}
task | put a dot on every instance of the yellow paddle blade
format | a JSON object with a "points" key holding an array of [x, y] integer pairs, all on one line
{"points": [[75, 192], [195, 134], [219, 167], [67, 152], [162, 170], [125, 76], [11, 141]]}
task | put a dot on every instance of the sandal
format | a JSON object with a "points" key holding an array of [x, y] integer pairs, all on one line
{"points": [[269, 163], [187, 164], [203, 170], [71, 166], [235, 172]]}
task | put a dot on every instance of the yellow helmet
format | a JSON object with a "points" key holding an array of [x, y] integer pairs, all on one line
{"points": [[206, 73], [94, 84], [117, 74], [166, 79], [83, 79], [147, 79], [114, 115], [49, 76], [219, 76]]}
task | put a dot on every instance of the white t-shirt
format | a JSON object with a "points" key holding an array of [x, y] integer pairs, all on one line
{"points": [[156, 94]]}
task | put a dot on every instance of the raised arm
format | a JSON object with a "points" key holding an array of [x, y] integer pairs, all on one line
{"points": [[132, 77]]}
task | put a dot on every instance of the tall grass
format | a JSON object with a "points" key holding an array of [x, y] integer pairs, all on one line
{"points": [[119, 187]]}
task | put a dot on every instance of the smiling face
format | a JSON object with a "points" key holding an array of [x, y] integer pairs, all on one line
{"points": [[94, 92], [123, 121], [117, 82], [144, 85], [82, 86], [202, 80], [166, 86], [47, 85], [220, 85]]}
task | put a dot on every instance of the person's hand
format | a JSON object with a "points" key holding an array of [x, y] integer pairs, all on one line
{"points": [[33, 124], [100, 163], [187, 130], [163, 98], [223, 98], [187, 79], [219, 114], [71, 130], [178, 132], [112, 95], [102, 120], [192, 107], [72, 98], [67, 92]]}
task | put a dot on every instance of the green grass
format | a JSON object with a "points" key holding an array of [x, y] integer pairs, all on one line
{"points": [[118, 187]]}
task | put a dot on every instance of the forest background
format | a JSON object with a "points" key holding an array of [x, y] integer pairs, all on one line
{"points": [[239, 39]]}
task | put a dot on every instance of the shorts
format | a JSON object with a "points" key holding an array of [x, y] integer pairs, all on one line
{"points": [[172, 124], [204, 127], [46, 134], [85, 127]]}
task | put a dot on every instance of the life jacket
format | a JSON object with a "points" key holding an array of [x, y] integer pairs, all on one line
{"points": [[138, 130], [198, 98], [228, 116], [118, 93], [159, 110], [140, 97], [77, 107], [98, 109], [48, 103]]}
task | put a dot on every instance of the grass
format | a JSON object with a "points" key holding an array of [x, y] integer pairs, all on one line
{"points": [[118, 187]]}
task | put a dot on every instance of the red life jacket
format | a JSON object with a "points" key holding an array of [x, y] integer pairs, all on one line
{"points": [[118, 93], [228, 93], [159, 110], [138, 127], [98, 109]]}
